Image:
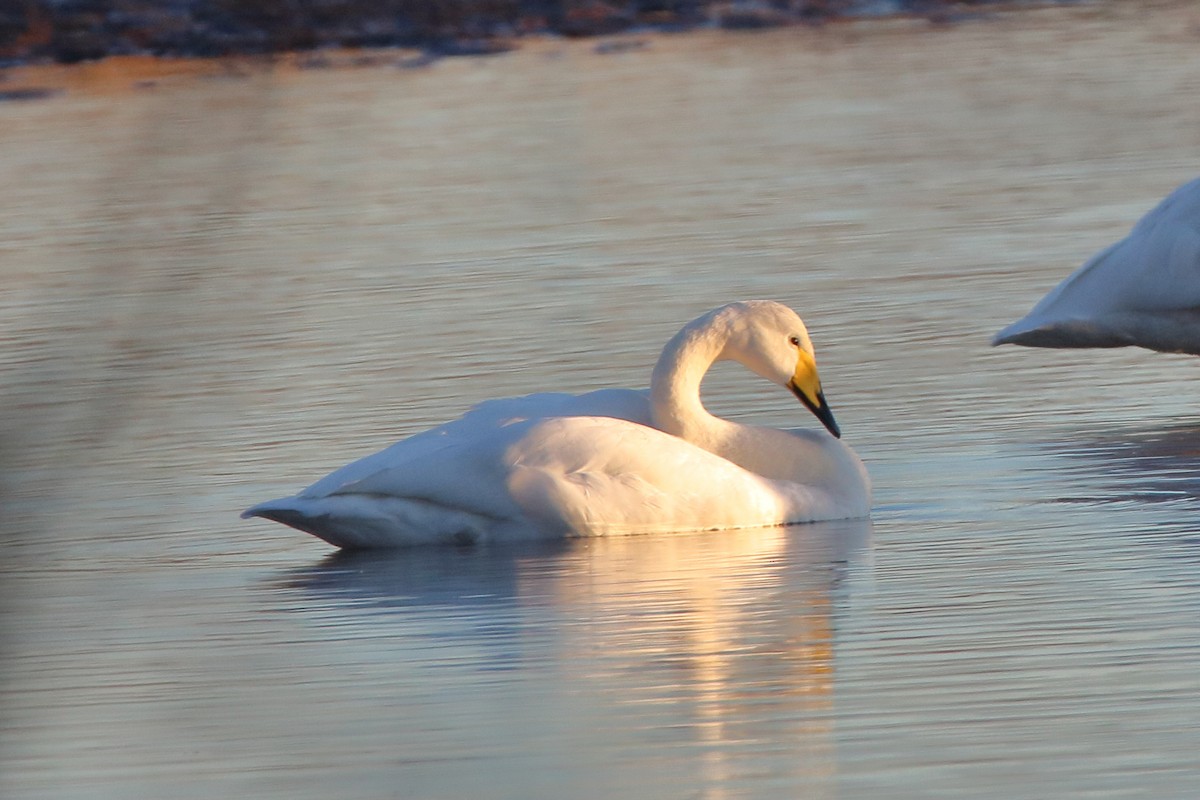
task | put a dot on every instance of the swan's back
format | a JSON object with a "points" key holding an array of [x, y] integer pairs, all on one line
{"points": [[481, 424]]}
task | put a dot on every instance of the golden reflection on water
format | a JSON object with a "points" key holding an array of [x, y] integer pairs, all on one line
{"points": [[718, 645], [718, 626]]}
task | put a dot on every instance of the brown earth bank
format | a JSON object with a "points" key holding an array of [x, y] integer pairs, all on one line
{"points": [[70, 31]]}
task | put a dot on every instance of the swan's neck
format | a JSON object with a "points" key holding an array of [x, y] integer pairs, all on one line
{"points": [[675, 384]]}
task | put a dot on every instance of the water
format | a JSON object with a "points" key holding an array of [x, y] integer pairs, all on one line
{"points": [[223, 282]]}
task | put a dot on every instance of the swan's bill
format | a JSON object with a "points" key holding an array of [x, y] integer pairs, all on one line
{"points": [[806, 385]]}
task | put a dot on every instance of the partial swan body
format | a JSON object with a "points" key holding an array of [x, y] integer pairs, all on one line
{"points": [[1142, 291], [608, 462]]}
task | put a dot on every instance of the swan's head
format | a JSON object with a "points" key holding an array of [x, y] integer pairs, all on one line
{"points": [[771, 340]]}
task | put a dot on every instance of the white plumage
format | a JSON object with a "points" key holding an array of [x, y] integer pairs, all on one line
{"points": [[607, 462], [1142, 291]]}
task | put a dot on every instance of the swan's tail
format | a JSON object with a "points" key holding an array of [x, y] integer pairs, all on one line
{"points": [[277, 512], [304, 515], [364, 521]]}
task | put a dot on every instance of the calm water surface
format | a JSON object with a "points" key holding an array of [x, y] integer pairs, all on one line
{"points": [[222, 283]]}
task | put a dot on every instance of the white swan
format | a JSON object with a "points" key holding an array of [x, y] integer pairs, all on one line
{"points": [[1142, 291], [607, 462]]}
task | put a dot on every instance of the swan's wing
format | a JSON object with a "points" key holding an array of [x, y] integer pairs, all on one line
{"points": [[448, 483], [432, 487], [484, 428], [1163, 254], [1144, 290], [594, 476]]}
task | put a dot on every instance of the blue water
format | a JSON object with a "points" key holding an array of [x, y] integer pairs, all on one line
{"points": [[218, 290]]}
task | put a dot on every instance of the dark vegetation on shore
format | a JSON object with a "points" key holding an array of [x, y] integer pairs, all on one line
{"points": [[69, 31]]}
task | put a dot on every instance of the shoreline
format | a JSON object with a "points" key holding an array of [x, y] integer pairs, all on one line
{"points": [[45, 32], [31, 81]]}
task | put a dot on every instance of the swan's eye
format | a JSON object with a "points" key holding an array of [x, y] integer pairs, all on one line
{"points": [[795, 340]]}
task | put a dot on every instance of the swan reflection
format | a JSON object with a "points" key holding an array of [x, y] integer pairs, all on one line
{"points": [[1148, 465], [712, 654]]}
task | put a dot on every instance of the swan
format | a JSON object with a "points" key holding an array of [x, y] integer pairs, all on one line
{"points": [[611, 461], [1142, 291]]}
